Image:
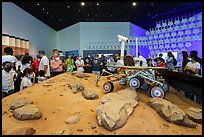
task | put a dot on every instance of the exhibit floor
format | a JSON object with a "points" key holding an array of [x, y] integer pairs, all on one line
{"points": [[56, 102]]}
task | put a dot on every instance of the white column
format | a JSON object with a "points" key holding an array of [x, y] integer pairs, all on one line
{"points": [[5, 40], [136, 42], [12, 41], [17, 42], [22, 43], [122, 51]]}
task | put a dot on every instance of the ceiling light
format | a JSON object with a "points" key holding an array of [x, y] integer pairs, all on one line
{"points": [[38, 4], [78, 10], [88, 14], [47, 12], [148, 14], [97, 4], [152, 4], [43, 9], [68, 6], [134, 4], [82, 3]]}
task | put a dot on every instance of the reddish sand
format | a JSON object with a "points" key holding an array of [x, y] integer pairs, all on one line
{"points": [[57, 103]]}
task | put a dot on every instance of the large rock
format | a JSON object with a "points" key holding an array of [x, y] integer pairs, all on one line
{"points": [[76, 87], [22, 131], [20, 102], [27, 112], [72, 120], [194, 114], [89, 94], [171, 112], [129, 93], [114, 110]]}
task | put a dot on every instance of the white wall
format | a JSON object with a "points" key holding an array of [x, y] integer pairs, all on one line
{"points": [[69, 38], [19, 23]]}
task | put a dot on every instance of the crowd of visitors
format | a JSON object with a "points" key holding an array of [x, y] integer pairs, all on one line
{"points": [[23, 71]]}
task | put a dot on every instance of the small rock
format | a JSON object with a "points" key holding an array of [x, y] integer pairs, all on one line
{"points": [[20, 102], [45, 118], [5, 112], [22, 131], [166, 125], [194, 114], [80, 130], [188, 123], [27, 112], [62, 131], [47, 85], [89, 94], [72, 120], [95, 131], [61, 95], [92, 110], [93, 126]]}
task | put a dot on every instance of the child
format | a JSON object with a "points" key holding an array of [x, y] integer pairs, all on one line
{"points": [[8, 77], [160, 63], [41, 76], [26, 81]]}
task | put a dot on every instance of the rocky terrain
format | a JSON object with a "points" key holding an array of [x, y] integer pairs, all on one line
{"points": [[71, 104]]}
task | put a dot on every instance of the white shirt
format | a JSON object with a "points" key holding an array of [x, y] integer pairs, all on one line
{"points": [[27, 65], [44, 61], [110, 65], [141, 58], [194, 66], [18, 63], [8, 80], [9, 58], [26, 82], [40, 79], [80, 62]]}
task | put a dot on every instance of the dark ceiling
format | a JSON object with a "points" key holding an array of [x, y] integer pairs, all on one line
{"points": [[59, 15]]}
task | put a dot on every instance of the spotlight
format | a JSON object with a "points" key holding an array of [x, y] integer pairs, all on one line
{"points": [[38, 4], [134, 4], [97, 4], [82, 3]]}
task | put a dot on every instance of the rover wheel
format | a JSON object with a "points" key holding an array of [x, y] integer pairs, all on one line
{"points": [[144, 84], [108, 87], [134, 83], [157, 92]]}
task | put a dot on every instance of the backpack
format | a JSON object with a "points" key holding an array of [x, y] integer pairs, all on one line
{"points": [[174, 61]]}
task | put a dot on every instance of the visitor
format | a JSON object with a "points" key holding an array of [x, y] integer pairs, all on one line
{"points": [[140, 60], [8, 56], [70, 64], [26, 81], [44, 64], [160, 57], [41, 76], [53, 52], [185, 59], [111, 65], [26, 63], [80, 64], [62, 58], [102, 62], [75, 58], [195, 54], [8, 78], [193, 66], [96, 65], [19, 62], [169, 61], [35, 65], [149, 62], [160, 63], [56, 65], [87, 64]]}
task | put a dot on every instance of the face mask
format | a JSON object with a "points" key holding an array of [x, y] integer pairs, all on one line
{"points": [[89, 56], [189, 59], [30, 77], [57, 58], [7, 69], [38, 59], [87, 60], [79, 58]]}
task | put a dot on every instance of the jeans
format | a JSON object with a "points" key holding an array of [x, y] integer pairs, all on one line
{"points": [[8, 93]]}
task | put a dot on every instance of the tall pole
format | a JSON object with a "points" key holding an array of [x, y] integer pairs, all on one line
{"points": [[122, 51], [136, 47]]}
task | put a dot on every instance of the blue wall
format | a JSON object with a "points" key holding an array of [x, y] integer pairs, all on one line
{"points": [[19, 23]]}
